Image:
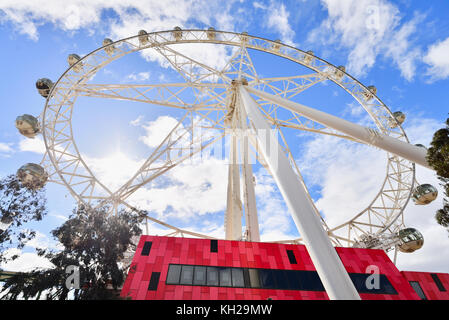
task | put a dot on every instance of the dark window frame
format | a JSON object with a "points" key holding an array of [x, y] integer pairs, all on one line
{"points": [[296, 280], [146, 248], [423, 297], [438, 282], [291, 257]]}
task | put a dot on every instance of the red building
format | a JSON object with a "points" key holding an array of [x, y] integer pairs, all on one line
{"points": [[169, 268]]}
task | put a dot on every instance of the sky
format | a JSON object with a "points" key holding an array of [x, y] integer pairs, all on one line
{"points": [[401, 47]]}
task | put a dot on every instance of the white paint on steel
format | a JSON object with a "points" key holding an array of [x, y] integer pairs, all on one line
{"points": [[332, 273]]}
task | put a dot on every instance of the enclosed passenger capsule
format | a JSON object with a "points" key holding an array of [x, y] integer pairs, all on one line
{"points": [[410, 240], [308, 57], [109, 48], [339, 72], [424, 194], [44, 86], [27, 125], [32, 176], [143, 37], [211, 34], [398, 119], [244, 36], [276, 45], [177, 34], [73, 59], [369, 94]]}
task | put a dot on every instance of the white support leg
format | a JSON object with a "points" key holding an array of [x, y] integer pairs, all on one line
{"points": [[400, 148], [251, 219], [233, 219], [330, 269]]}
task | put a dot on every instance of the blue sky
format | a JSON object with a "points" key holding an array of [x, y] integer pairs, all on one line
{"points": [[401, 47]]}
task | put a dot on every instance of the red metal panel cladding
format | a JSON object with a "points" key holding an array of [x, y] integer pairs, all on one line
{"points": [[268, 259]]}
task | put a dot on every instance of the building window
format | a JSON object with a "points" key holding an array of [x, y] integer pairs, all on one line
{"points": [[212, 276], [199, 276], [214, 246], [225, 277], [237, 278], [186, 275], [174, 273], [438, 282], [264, 279], [146, 248], [154, 281], [415, 285], [291, 256]]}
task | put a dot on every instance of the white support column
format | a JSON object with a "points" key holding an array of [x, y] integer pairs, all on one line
{"points": [[233, 219], [369, 136], [251, 219], [330, 269]]}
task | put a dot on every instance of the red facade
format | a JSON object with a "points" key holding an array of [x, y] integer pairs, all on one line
{"points": [[147, 277]]}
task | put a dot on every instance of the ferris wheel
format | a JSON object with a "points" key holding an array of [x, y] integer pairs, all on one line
{"points": [[253, 112]]}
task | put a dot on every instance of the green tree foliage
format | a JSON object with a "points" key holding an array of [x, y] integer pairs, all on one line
{"points": [[438, 158], [18, 206], [94, 242]]}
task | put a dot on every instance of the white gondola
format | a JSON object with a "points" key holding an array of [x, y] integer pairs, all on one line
{"points": [[424, 194], [276, 45], [44, 86], [177, 33], [308, 57], [211, 34], [370, 93], [27, 125], [410, 240], [398, 119], [143, 38], [339, 72], [109, 48], [244, 37], [32, 176], [73, 59]]}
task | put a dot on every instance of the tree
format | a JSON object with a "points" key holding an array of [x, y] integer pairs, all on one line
{"points": [[92, 241], [18, 206], [438, 158]]}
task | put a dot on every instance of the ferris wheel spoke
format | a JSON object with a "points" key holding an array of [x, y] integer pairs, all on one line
{"points": [[181, 143], [288, 87], [190, 69], [240, 65], [170, 94]]}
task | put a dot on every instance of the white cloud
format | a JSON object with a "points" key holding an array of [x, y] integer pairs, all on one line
{"points": [[26, 262], [140, 76], [136, 122], [35, 145], [157, 130], [5, 148], [278, 20], [369, 29], [437, 57]]}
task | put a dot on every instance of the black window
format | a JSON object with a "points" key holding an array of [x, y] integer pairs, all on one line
{"points": [[225, 277], [186, 275], [309, 281], [146, 248], [254, 278], [267, 279], [154, 281], [365, 285], [214, 246], [280, 278], [291, 256], [246, 278], [174, 273], [199, 276], [237, 277], [438, 282], [415, 285], [212, 276]]}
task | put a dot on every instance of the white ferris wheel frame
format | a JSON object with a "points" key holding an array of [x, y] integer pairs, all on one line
{"points": [[64, 164]]}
